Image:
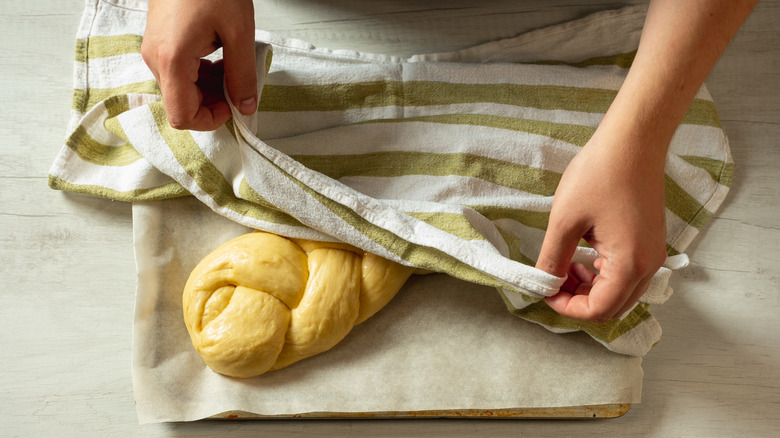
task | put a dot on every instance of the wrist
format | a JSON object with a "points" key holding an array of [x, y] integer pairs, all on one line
{"points": [[639, 138]]}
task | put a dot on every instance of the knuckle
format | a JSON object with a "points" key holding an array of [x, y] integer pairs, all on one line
{"points": [[645, 262], [547, 263], [176, 115], [600, 316], [641, 266], [165, 56], [151, 57], [147, 54], [177, 122], [560, 221]]}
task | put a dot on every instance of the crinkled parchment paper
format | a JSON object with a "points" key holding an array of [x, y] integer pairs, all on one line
{"points": [[441, 344]]}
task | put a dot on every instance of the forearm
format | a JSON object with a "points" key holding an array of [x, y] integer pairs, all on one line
{"points": [[681, 42]]}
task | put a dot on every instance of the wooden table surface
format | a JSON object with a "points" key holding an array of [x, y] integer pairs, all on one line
{"points": [[68, 275]]}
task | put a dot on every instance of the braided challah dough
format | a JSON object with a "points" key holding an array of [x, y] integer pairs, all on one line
{"points": [[261, 302]]}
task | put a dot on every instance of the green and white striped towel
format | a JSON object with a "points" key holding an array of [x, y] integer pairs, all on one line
{"points": [[443, 161]]}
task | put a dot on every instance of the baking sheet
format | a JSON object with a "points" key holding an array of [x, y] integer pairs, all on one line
{"points": [[441, 345]]}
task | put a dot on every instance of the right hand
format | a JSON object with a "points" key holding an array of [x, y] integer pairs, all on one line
{"points": [[179, 33], [611, 195]]}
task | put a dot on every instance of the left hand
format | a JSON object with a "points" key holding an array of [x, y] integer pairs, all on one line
{"points": [[178, 35]]}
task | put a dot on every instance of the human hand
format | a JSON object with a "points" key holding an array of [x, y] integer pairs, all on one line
{"points": [[179, 33], [612, 193], [616, 203]]}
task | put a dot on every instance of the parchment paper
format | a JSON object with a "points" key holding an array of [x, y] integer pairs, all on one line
{"points": [[441, 344]]}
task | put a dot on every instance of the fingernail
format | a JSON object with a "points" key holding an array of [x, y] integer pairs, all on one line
{"points": [[248, 106]]}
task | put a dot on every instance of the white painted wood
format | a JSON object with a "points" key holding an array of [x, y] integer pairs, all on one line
{"points": [[67, 275]]}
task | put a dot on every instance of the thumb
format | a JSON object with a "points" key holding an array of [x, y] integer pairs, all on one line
{"points": [[240, 71], [558, 247]]}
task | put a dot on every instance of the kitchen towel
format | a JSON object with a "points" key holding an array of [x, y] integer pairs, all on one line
{"points": [[445, 161]]}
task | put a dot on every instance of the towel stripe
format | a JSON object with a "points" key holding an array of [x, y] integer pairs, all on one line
{"points": [[682, 204], [453, 223], [607, 332], [96, 47], [346, 96], [720, 171], [622, 60], [273, 214], [354, 95], [167, 191], [577, 135], [97, 153], [84, 100], [393, 164]]}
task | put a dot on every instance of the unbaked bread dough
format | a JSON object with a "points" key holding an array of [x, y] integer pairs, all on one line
{"points": [[261, 302]]}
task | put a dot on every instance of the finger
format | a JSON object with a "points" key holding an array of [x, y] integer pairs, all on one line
{"points": [[578, 274], [561, 301], [597, 263], [560, 242], [641, 288], [602, 302], [183, 100], [179, 102], [240, 70], [582, 273], [210, 82], [211, 115]]}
